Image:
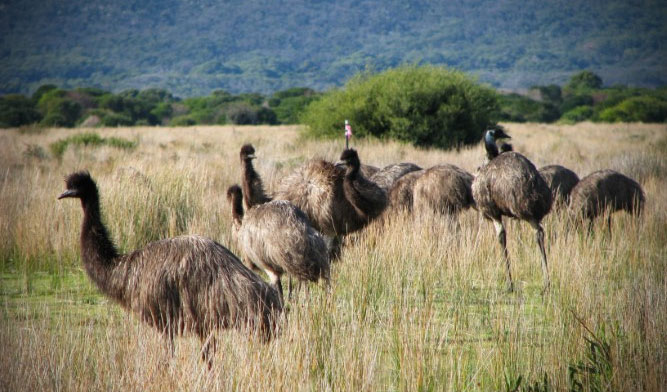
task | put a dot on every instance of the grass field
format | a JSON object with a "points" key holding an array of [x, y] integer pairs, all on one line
{"points": [[412, 306]]}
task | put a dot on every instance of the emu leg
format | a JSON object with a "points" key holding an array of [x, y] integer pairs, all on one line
{"points": [[208, 350], [609, 223], [275, 281], [335, 248], [289, 288], [500, 231], [540, 242]]}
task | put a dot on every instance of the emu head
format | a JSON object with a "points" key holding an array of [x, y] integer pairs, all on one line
{"points": [[497, 133], [247, 152], [350, 159], [80, 185], [233, 193]]}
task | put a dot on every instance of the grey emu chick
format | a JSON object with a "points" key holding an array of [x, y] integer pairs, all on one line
{"points": [[510, 185], [180, 285], [561, 181], [605, 189], [277, 237]]}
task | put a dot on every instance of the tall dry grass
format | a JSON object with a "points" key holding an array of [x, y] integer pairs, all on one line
{"points": [[413, 305]]}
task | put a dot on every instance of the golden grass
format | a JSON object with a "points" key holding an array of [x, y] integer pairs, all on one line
{"points": [[413, 305]]}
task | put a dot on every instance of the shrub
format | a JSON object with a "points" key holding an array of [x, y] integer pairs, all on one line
{"points": [[58, 110], [578, 114], [425, 106], [518, 108], [572, 101], [642, 109], [17, 110], [584, 80], [182, 121], [59, 147]]}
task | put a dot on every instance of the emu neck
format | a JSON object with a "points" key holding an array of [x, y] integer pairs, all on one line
{"points": [[253, 189], [353, 186], [491, 148], [98, 252], [237, 211]]}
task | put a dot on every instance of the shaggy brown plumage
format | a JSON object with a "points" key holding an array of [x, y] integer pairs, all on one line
{"points": [[187, 284], [366, 197], [401, 193], [444, 189], [510, 185], [605, 189], [335, 209], [368, 170], [277, 237], [561, 180], [253, 188], [388, 175]]}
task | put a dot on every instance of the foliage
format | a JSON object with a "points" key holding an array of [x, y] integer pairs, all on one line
{"points": [[255, 46], [59, 147], [289, 104], [17, 110], [641, 109], [584, 80], [425, 106], [519, 108], [578, 114], [57, 109]]}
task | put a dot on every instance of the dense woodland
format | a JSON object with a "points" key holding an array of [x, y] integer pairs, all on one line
{"points": [[194, 47]]}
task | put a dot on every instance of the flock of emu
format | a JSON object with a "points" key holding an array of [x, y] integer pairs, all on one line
{"points": [[192, 284]]}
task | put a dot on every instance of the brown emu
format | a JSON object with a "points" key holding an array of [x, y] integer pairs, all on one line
{"points": [[605, 189], [388, 175], [444, 189], [337, 202], [186, 284], [277, 237], [401, 193], [561, 180], [253, 189], [368, 170], [510, 185]]}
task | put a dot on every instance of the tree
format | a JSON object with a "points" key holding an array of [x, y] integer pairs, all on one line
{"points": [[584, 80]]}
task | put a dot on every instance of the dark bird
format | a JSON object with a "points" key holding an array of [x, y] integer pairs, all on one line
{"points": [[561, 181], [186, 284], [605, 189], [388, 175], [510, 185], [443, 189], [253, 188], [401, 193], [337, 201], [277, 237]]}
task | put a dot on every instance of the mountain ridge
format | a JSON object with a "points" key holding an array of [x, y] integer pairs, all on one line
{"points": [[194, 47]]}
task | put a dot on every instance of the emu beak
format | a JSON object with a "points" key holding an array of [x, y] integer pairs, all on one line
{"points": [[252, 156], [340, 164], [67, 193]]}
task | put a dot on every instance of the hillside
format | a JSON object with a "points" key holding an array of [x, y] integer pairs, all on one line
{"points": [[192, 47]]}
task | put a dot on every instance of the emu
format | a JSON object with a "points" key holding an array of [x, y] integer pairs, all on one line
{"points": [[401, 193], [510, 185], [444, 189], [336, 202], [605, 189], [186, 284], [388, 175], [253, 189], [561, 181], [277, 237]]}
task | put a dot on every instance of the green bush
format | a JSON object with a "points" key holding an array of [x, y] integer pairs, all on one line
{"points": [[58, 110], [519, 108], [289, 104], [637, 109], [578, 114], [182, 121], [584, 80], [59, 147], [572, 101], [422, 105], [17, 110]]}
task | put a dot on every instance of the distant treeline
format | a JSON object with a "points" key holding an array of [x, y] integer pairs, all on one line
{"points": [[51, 106], [582, 99]]}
